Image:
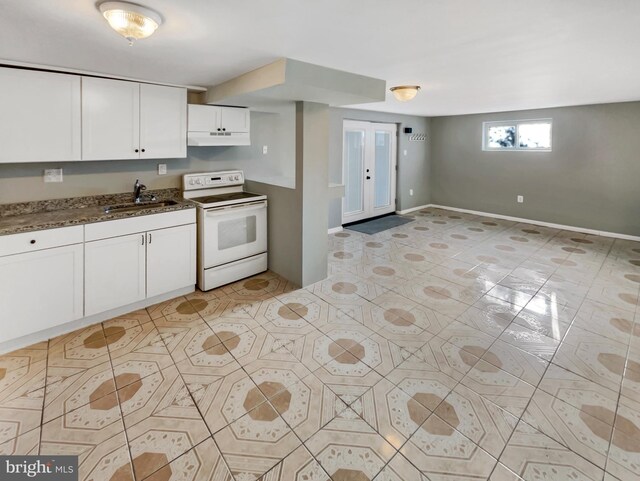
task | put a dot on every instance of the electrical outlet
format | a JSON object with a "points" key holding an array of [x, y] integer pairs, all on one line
{"points": [[162, 169], [410, 191], [265, 149], [520, 199], [53, 175]]}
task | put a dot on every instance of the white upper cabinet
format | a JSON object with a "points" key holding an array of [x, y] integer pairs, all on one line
{"points": [[39, 116], [110, 119], [163, 122], [203, 118], [234, 119], [128, 120]]}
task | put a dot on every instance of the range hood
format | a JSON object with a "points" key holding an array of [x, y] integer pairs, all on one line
{"points": [[208, 139]]}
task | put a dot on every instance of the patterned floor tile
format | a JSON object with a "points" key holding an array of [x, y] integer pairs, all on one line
{"points": [[255, 443], [348, 448], [223, 398], [448, 358], [400, 469], [480, 420], [202, 463], [297, 466], [69, 393], [521, 364], [530, 341], [578, 391], [27, 444], [534, 456], [441, 452], [423, 382], [186, 341], [161, 420], [95, 433], [572, 427], [500, 387]]}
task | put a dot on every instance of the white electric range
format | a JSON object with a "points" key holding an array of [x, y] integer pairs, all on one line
{"points": [[232, 227]]}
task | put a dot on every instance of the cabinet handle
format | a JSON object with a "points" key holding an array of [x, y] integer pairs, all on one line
{"points": [[224, 130], [143, 150], [149, 238], [136, 150], [219, 129], [32, 241], [142, 239], [368, 177]]}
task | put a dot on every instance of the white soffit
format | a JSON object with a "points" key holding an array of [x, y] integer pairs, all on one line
{"points": [[288, 79]]}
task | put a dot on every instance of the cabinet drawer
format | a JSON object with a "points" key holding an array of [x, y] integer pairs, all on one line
{"points": [[143, 223], [41, 239]]}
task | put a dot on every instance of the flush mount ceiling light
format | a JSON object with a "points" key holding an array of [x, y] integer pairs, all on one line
{"points": [[404, 93], [131, 21]]}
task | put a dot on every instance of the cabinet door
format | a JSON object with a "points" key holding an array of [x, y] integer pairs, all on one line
{"points": [[171, 259], [40, 290], [234, 119], [39, 116], [204, 118], [163, 122], [114, 273], [110, 119]]}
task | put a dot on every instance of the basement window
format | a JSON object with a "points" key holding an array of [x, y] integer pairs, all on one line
{"points": [[520, 135]]}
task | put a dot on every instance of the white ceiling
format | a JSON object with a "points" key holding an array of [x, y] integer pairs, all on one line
{"points": [[469, 55]]}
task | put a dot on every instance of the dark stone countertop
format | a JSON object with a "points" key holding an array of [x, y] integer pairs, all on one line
{"points": [[50, 214]]}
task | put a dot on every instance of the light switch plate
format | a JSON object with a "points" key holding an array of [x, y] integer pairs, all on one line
{"points": [[53, 175], [520, 199], [162, 169], [265, 149]]}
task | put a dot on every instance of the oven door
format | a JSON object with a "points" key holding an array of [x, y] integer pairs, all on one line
{"points": [[233, 232]]}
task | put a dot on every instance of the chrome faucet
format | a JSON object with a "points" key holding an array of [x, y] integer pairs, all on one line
{"points": [[137, 191]]}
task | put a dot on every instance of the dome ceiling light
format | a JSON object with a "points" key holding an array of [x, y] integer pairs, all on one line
{"points": [[132, 21], [404, 93]]}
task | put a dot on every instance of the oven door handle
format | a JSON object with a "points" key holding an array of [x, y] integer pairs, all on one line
{"points": [[217, 211]]}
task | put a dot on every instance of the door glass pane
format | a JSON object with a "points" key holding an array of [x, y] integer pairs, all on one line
{"points": [[353, 171], [382, 179], [236, 232]]}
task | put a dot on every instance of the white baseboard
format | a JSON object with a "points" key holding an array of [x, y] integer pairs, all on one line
{"points": [[333, 230], [413, 209], [584, 230], [52, 332]]}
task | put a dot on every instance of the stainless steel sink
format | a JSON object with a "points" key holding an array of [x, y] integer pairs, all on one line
{"points": [[119, 208]]}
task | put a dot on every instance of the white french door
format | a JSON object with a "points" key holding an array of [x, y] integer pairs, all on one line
{"points": [[369, 170]]}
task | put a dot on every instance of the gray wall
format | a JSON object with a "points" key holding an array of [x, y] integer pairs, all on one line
{"points": [[590, 180], [413, 169]]}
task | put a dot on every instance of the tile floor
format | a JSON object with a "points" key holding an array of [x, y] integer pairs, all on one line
{"points": [[455, 347]]}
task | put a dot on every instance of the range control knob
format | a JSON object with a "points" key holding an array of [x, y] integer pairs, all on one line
{"points": [[191, 181], [237, 177]]}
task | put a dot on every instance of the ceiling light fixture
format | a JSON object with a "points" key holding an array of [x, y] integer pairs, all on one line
{"points": [[132, 21], [403, 93]]}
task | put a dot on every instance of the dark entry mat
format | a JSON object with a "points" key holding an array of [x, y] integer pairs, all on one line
{"points": [[380, 224]]}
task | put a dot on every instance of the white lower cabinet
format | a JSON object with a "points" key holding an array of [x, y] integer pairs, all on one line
{"points": [[171, 259], [40, 290], [125, 269], [114, 272]]}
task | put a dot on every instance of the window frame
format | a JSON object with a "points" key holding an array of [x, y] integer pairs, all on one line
{"points": [[516, 123]]}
